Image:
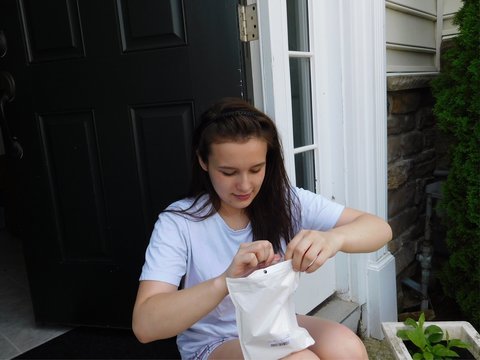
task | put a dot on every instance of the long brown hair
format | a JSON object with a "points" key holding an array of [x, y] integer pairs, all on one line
{"points": [[274, 211]]}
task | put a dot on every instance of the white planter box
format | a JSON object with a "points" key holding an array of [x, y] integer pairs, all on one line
{"points": [[456, 330]]}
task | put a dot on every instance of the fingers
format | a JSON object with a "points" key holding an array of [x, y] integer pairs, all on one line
{"points": [[251, 256], [301, 251], [316, 263], [312, 262], [262, 249], [248, 259], [292, 245], [276, 258], [308, 250]]}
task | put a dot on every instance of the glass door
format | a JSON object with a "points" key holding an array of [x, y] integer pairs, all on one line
{"points": [[303, 123]]}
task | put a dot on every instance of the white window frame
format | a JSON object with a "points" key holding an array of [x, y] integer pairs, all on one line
{"points": [[350, 108]]}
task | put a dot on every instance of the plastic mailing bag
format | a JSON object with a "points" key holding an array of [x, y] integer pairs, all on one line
{"points": [[266, 320]]}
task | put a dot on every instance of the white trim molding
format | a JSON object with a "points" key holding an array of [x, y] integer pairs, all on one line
{"points": [[365, 116], [275, 70]]}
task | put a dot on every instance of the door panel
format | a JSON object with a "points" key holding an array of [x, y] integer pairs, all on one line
{"points": [[71, 157], [108, 93], [152, 129], [51, 32], [141, 31]]}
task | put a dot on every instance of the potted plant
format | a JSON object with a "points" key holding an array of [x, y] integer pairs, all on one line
{"points": [[431, 340], [428, 342]]}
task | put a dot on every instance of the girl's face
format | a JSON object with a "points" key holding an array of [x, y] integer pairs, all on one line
{"points": [[236, 170]]}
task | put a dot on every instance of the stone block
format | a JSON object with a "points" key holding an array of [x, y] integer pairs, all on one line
{"points": [[417, 231], [401, 198], [412, 143], [424, 117], [406, 82], [398, 173], [405, 257], [424, 169], [430, 137], [424, 156], [410, 235], [394, 148], [404, 102], [397, 124], [395, 245], [403, 221]]}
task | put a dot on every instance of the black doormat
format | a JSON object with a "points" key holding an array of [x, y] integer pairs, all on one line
{"points": [[102, 343]]}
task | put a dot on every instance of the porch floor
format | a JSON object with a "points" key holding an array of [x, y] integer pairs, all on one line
{"points": [[18, 331]]}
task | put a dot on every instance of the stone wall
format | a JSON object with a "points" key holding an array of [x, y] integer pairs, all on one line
{"points": [[412, 161]]}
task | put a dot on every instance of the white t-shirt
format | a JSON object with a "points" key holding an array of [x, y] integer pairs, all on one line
{"points": [[181, 246]]}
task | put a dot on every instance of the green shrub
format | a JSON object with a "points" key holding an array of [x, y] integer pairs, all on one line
{"points": [[457, 109]]}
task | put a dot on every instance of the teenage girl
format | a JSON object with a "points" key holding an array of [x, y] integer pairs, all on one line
{"points": [[242, 214]]}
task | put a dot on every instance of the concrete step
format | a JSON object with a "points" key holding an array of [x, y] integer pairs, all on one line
{"points": [[341, 311]]}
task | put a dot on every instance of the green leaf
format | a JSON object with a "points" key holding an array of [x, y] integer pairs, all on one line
{"points": [[421, 320], [440, 350], [402, 334], [434, 334], [428, 356], [417, 337], [458, 343], [417, 356], [411, 322]]}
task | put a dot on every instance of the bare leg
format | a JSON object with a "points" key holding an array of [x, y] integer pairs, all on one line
{"points": [[228, 350], [332, 340], [232, 350]]}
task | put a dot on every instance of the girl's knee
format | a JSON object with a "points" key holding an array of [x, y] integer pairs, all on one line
{"points": [[333, 340], [351, 345], [305, 354], [339, 342], [355, 349]]}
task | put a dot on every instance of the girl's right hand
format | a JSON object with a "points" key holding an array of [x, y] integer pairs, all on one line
{"points": [[250, 257]]}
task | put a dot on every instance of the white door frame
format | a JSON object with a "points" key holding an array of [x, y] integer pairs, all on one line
{"points": [[351, 97], [274, 93]]}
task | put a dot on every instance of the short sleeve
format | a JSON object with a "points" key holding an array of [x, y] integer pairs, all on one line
{"points": [[318, 212], [167, 253]]}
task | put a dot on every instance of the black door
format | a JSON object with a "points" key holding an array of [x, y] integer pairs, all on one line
{"points": [[107, 93]]}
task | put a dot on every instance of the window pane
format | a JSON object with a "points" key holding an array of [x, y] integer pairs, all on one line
{"points": [[301, 102], [305, 170], [297, 18]]}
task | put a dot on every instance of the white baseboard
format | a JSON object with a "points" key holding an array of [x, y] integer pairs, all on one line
{"points": [[381, 296]]}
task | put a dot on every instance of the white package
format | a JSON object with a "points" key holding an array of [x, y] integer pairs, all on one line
{"points": [[266, 320]]}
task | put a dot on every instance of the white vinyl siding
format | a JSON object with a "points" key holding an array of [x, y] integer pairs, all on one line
{"points": [[411, 34], [450, 8], [426, 6], [414, 32]]}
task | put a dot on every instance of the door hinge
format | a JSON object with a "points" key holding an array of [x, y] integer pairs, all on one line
{"points": [[248, 22]]}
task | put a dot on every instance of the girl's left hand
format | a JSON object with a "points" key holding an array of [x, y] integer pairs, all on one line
{"points": [[309, 249]]}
